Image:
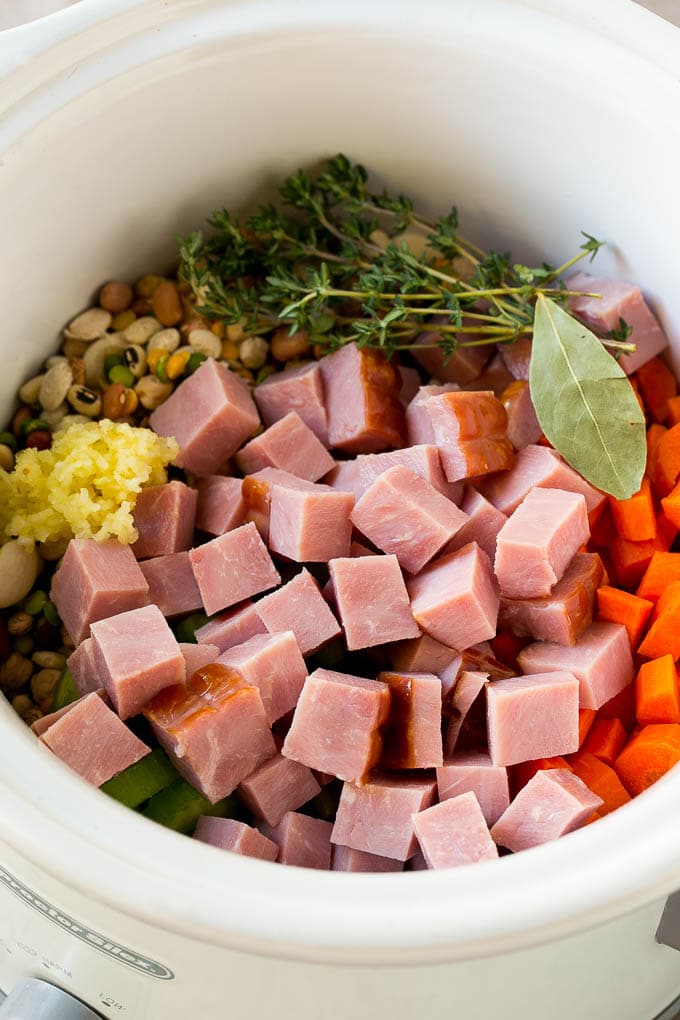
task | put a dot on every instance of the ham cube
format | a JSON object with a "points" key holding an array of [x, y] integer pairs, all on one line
{"points": [[232, 567], [462, 689], [536, 545], [310, 525], [210, 414], [295, 389], [421, 655], [482, 526], [172, 585], [92, 740], [357, 475], [302, 841], [455, 599], [536, 466], [362, 388], [372, 601], [401, 513], [516, 357], [454, 833], [290, 445], [378, 816], [197, 656], [410, 384], [464, 366], [551, 804], [81, 666], [412, 735], [336, 726], [277, 786], [469, 431], [273, 664], [164, 518], [233, 627], [214, 729], [136, 656], [523, 428], [43, 724], [95, 580], [239, 838], [532, 717], [418, 421], [601, 660], [344, 858], [220, 505], [299, 606], [474, 772]]}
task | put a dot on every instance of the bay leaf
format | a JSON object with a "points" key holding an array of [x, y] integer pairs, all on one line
{"points": [[585, 403]]}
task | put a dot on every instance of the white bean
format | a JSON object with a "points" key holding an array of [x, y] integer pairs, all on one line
{"points": [[31, 388], [55, 385], [205, 342], [89, 325], [165, 339], [18, 571], [95, 355], [141, 330]]}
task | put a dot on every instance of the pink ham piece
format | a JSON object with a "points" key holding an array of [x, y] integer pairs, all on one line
{"points": [[273, 664], [469, 431], [455, 599], [412, 734], [295, 389], [232, 567], [43, 724], [299, 606], [311, 524], [535, 546], [233, 627], [336, 726], [239, 838], [536, 466], [172, 585], [523, 427], [210, 414], [372, 601], [95, 580], [552, 803], [81, 666], [277, 786], [565, 614], [463, 366], [344, 858], [517, 357], [601, 660], [136, 656], [362, 388], [418, 421], [401, 513], [482, 526], [378, 816], [619, 301], [410, 384], [474, 772], [357, 475], [460, 691], [290, 445], [532, 717], [421, 655], [454, 833], [92, 740], [220, 505], [214, 729], [257, 494], [164, 517], [302, 841], [197, 656]]}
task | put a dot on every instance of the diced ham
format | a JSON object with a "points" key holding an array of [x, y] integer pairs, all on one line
{"points": [[470, 432], [232, 567], [454, 833], [474, 772], [299, 606], [619, 301], [172, 585], [273, 664], [402, 513], [336, 726], [295, 389], [455, 599], [290, 445], [310, 525], [277, 786], [95, 580], [517, 357], [536, 466], [537, 543], [412, 734], [410, 384], [421, 655], [601, 660], [418, 421], [482, 526], [372, 601], [197, 656], [82, 668], [532, 717], [214, 729], [566, 613], [463, 366], [378, 816], [233, 627], [239, 838], [357, 475], [362, 388], [210, 414], [523, 427], [344, 858], [302, 841], [551, 804], [461, 689], [136, 655], [164, 517], [92, 740], [43, 724], [220, 505]]}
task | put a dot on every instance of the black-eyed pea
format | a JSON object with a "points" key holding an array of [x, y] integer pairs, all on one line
{"points": [[89, 325], [30, 390], [84, 401], [205, 342], [166, 340], [120, 322], [55, 385], [253, 352], [135, 359], [152, 392], [142, 329]]}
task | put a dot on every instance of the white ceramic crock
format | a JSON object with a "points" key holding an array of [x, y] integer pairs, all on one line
{"points": [[123, 122]]}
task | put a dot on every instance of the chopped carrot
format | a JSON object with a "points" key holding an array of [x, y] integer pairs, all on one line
{"points": [[619, 606], [657, 384], [606, 740], [635, 386], [621, 706], [664, 464], [654, 434], [663, 569], [657, 692], [507, 646], [602, 527], [648, 756], [631, 559], [635, 518], [663, 636], [668, 530], [522, 773], [674, 410], [670, 505], [586, 718], [601, 779]]}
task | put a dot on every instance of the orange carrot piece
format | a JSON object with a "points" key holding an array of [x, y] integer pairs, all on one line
{"points": [[635, 386], [657, 384], [664, 464], [635, 518], [663, 636], [648, 756], [667, 529], [657, 692], [507, 646], [586, 718], [521, 774], [663, 569], [621, 706], [606, 740], [619, 606], [670, 505], [654, 434], [601, 779], [674, 411], [631, 559]]}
